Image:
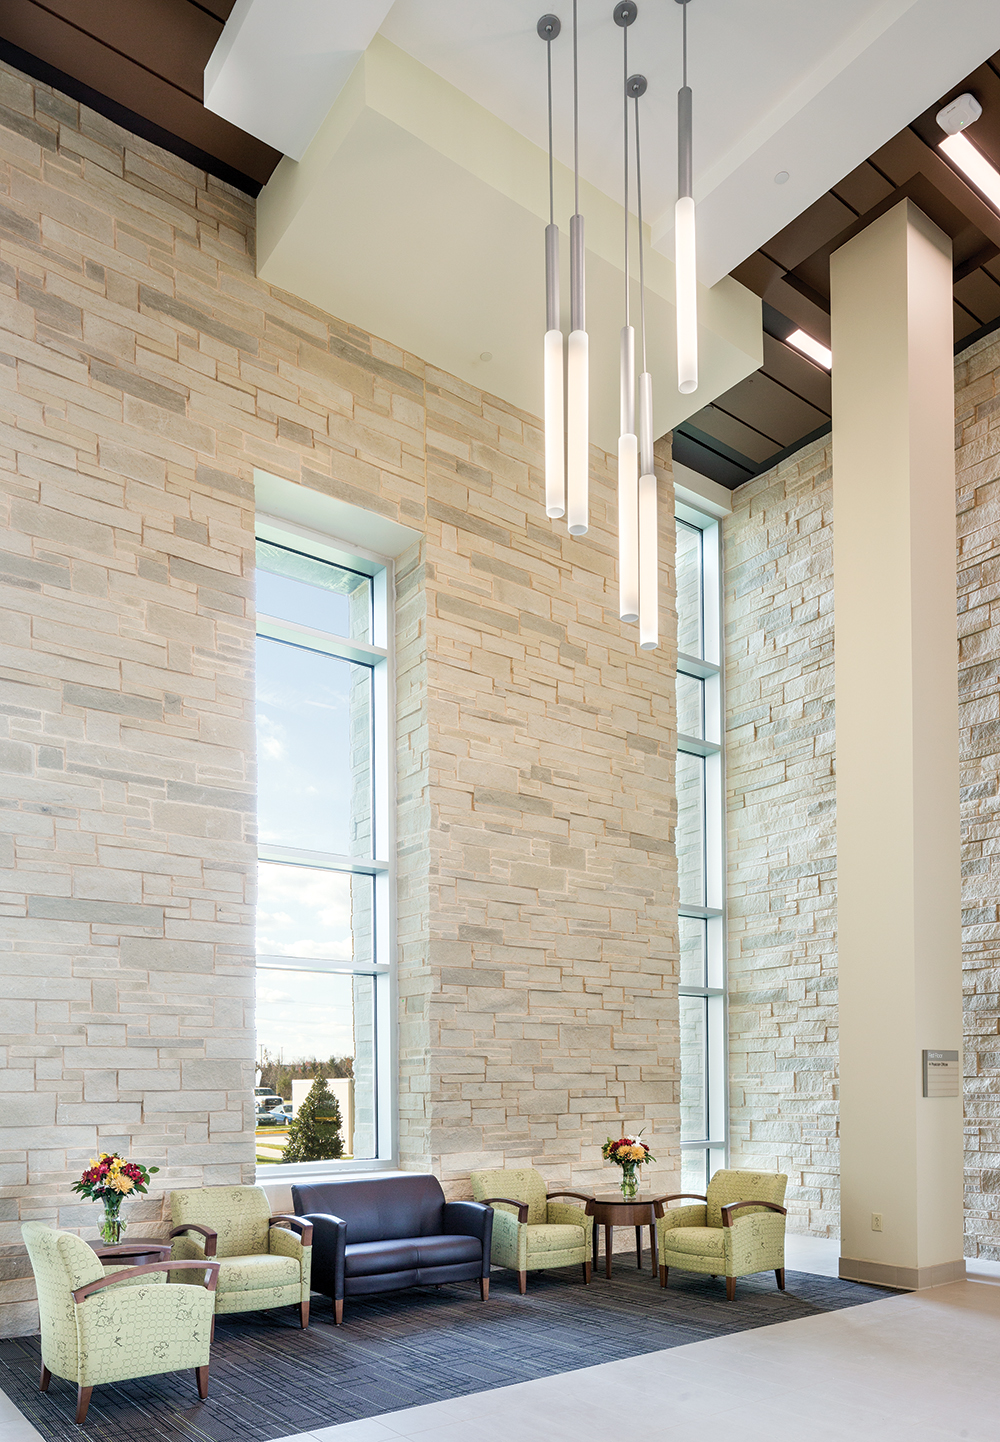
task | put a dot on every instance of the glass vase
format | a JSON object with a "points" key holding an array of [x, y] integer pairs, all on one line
{"points": [[630, 1180], [112, 1225]]}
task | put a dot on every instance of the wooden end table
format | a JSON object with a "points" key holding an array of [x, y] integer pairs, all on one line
{"points": [[137, 1252], [611, 1209]]}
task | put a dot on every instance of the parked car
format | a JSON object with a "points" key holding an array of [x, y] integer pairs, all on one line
{"points": [[267, 1117]]}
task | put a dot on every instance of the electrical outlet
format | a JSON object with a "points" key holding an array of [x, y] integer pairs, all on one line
{"points": [[876, 1221]]}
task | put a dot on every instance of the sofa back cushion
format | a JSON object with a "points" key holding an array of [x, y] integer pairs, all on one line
{"points": [[521, 1184], [730, 1185], [240, 1215], [377, 1209]]}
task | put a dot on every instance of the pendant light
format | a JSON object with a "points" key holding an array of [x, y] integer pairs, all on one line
{"points": [[628, 444], [648, 544], [685, 258], [578, 364], [554, 346]]}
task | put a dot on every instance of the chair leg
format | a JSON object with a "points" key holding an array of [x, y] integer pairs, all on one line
{"points": [[730, 1289], [82, 1402], [586, 1274], [304, 1315], [338, 1311], [44, 1378], [664, 1272], [211, 1331], [779, 1274], [522, 1282], [484, 1289], [201, 1373]]}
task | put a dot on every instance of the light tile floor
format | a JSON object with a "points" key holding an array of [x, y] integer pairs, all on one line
{"points": [[920, 1366]]}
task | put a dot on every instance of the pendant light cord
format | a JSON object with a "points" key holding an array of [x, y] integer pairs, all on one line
{"points": [[625, 128], [576, 119], [684, 41], [552, 193], [642, 269]]}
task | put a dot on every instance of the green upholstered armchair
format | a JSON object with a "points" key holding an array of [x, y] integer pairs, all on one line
{"points": [[737, 1229], [131, 1323], [530, 1230], [262, 1264]]}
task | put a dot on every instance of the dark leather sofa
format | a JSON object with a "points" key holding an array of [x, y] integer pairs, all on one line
{"points": [[380, 1234]]}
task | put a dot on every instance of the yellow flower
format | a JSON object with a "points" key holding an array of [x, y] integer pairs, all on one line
{"points": [[637, 1153], [121, 1184]]}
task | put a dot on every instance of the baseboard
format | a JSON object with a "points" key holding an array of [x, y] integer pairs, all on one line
{"points": [[905, 1279]]}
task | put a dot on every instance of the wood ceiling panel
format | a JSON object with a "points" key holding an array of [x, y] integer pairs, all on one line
{"points": [[111, 81], [797, 374], [733, 433], [965, 323], [170, 38], [863, 188], [812, 229], [765, 405], [980, 294]]}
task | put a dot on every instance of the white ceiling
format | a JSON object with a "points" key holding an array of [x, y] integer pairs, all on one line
{"points": [[805, 86]]}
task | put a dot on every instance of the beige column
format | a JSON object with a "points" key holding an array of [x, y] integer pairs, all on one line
{"points": [[899, 898]]}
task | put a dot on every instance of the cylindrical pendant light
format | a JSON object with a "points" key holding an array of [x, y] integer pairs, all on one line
{"points": [[578, 365], [649, 601], [628, 446], [554, 347], [685, 250]]}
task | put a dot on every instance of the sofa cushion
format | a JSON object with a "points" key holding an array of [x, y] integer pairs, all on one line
{"points": [[696, 1241], [377, 1210], [371, 1259], [248, 1274], [555, 1238], [448, 1251]]}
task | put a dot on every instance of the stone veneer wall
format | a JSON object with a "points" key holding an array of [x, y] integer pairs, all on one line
{"points": [[782, 842], [145, 373], [778, 567]]}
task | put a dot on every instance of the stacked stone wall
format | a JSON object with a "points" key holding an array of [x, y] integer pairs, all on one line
{"points": [[144, 373]]}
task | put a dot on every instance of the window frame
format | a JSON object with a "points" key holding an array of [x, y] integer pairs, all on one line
{"points": [[710, 669], [380, 657]]}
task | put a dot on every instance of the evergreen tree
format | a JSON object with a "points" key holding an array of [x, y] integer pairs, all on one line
{"points": [[314, 1135]]}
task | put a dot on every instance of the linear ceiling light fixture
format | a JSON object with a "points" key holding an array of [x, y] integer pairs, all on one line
{"points": [[814, 349], [685, 256], [628, 443], [554, 345], [953, 119], [578, 358]]}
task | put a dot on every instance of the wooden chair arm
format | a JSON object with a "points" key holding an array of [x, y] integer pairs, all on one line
{"points": [[659, 1206], [522, 1207], [211, 1270], [727, 1212], [298, 1224], [580, 1196], [209, 1233]]}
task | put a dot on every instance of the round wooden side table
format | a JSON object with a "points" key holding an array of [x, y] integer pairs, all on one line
{"points": [[137, 1252], [611, 1209]]}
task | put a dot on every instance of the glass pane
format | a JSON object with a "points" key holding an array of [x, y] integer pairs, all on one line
{"points": [[694, 951], [690, 836], [690, 609], [314, 747], [314, 1025], [694, 1083], [293, 587], [690, 706], [313, 914], [694, 1171]]}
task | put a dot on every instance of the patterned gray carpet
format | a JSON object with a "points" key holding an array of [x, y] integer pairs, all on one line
{"points": [[269, 1379]]}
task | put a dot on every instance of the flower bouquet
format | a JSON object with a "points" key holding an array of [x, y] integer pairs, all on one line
{"points": [[110, 1179], [629, 1153]]}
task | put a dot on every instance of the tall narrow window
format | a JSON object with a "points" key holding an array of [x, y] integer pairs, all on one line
{"points": [[700, 839], [324, 968]]}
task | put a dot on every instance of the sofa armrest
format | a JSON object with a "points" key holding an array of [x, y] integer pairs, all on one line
{"points": [[522, 1207], [209, 1271], [733, 1207], [580, 1196], [297, 1224], [209, 1233], [471, 1219], [682, 1217], [329, 1240]]}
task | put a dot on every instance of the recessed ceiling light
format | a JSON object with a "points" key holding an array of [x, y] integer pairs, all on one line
{"points": [[811, 347], [781, 177], [486, 355]]}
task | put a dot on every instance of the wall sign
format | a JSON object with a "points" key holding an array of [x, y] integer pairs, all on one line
{"points": [[941, 1074]]}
